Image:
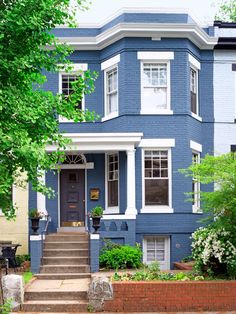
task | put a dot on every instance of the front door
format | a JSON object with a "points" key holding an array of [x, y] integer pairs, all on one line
{"points": [[72, 198]]}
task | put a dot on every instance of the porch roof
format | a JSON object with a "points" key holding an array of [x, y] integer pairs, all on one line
{"points": [[100, 142]]}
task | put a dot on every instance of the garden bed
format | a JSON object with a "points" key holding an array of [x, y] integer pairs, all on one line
{"points": [[186, 296]]}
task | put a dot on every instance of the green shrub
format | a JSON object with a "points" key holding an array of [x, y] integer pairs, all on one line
{"points": [[120, 257], [6, 307], [22, 258], [214, 252]]}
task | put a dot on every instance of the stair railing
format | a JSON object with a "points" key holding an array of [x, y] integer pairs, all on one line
{"points": [[45, 231]]}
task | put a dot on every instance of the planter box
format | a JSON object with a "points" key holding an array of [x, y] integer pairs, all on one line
{"points": [[173, 296]]}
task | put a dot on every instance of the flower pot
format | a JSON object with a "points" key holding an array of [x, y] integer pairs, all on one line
{"points": [[96, 223], [35, 225]]}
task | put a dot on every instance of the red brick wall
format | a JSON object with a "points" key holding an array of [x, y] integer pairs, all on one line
{"points": [[173, 296]]}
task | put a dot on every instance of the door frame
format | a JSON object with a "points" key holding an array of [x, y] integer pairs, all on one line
{"points": [[85, 192]]}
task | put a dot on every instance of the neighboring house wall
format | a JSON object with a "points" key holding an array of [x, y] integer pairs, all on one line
{"points": [[17, 230], [224, 100]]}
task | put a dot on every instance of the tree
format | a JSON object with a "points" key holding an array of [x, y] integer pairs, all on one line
{"points": [[214, 247], [27, 113], [227, 11], [220, 203]]}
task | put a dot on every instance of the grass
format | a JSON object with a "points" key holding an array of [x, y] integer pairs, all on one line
{"points": [[27, 276]]}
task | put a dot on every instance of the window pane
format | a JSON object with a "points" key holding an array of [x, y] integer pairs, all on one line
{"points": [[112, 193], [155, 98], [156, 192], [160, 255], [150, 256]]}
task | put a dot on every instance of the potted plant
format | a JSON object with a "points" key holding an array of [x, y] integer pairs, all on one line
{"points": [[35, 216], [96, 214]]}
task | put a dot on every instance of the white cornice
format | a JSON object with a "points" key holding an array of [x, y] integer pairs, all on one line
{"points": [[170, 30], [100, 142]]}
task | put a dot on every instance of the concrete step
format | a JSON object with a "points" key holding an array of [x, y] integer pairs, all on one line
{"points": [[62, 276], [55, 295], [65, 306], [66, 245], [66, 237], [65, 260], [65, 252], [58, 269]]}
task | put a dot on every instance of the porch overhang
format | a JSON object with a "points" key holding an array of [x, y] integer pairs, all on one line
{"points": [[99, 142]]}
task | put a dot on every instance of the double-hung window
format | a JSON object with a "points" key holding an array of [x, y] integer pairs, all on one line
{"points": [[155, 81], [195, 185], [112, 182], [112, 91], [194, 69], [66, 80], [111, 95], [196, 153], [193, 90], [156, 177], [154, 86]]}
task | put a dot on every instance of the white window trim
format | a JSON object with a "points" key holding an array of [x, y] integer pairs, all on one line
{"points": [[155, 208], [110, 62], [78, 67], [157, 142], [196, 209], [115, 114], [196, 66], [167, 248], [155, 55], [114, 209], [167, 111], [196, 147]]}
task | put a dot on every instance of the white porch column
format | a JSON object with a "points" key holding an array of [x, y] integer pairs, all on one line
{"points": [[131, 208], [41, 199]]}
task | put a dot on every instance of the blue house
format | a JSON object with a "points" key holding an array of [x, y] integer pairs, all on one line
{"points": [[154, 96]]}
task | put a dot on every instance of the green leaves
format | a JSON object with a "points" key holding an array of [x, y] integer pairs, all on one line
{"points": [[227, 11], [28, 120]]}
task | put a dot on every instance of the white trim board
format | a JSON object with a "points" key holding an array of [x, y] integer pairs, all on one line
{"points": [[110, 62], [196, 146], [194, 62], [160, 142], [164, 30], [155, 55]]}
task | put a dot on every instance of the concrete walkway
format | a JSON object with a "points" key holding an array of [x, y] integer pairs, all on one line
{"points": [[58, 285]]}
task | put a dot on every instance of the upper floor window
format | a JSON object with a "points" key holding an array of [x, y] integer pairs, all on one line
{"points": [[195, 66], [154, 86], [111, 91], [65, 84], [193, 90], [111, 96], [67, 80], [155, 82]]}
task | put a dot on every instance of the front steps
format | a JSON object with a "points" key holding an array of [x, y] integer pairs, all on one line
{"points": [[65, 256], [62, 284]]}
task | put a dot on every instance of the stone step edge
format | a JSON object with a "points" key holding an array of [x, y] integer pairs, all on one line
{"points": [[65, 265]]}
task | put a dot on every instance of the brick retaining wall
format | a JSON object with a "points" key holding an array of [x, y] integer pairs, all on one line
{"points": [[173, 296]]}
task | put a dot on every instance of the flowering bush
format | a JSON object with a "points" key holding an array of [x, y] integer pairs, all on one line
{"points": [[214, 251]]}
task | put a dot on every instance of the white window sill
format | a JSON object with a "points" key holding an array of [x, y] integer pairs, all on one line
{"points": [[195, 116], [196, 210], [156, 210], [111, 210], [110, 116], [158, 112]]}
